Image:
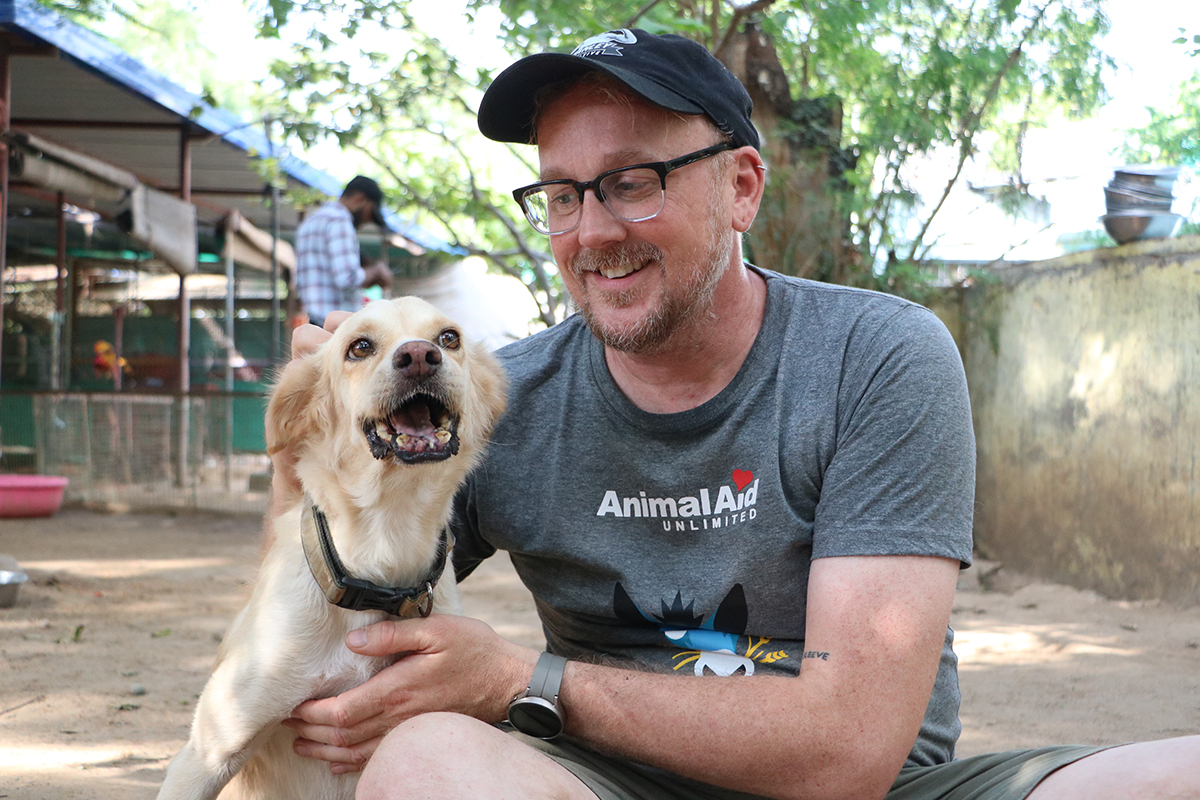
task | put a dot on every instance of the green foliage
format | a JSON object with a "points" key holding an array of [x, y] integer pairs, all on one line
{"points": [[1172, 135], [1194, 41], [82, 10]]}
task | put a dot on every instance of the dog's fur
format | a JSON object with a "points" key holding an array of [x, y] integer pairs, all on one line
{"points": [[386, 504]]}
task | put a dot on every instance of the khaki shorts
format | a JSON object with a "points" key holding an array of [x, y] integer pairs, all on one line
{"points": [[997, 776]]}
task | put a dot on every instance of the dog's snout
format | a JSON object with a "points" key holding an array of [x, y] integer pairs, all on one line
{"points": [[417, 360]]}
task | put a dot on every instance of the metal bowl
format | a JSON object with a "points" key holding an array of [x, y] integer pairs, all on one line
{"points": [[10, 582], [1126, 200], [1150, 190], [1160, 178], [1133, 226]]}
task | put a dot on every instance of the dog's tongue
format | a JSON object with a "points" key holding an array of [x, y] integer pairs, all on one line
{"points": [[414, 420]]}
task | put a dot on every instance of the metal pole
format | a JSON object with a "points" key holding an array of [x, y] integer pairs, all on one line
{"points": [[276, 329], [5, 117], [185, 324], [185, 311], [60, 288], [230, 289]]}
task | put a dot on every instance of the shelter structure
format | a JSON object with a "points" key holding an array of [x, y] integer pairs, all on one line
{"points": [[126, 202]]}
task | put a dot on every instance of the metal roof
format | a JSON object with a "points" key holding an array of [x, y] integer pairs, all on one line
{"points": [[73, 87]]}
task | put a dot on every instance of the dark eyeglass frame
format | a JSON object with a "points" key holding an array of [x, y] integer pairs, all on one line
{"points": [[662, 168]]}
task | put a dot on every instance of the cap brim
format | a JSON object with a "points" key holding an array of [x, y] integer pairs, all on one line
{"points": [[507, 109]]}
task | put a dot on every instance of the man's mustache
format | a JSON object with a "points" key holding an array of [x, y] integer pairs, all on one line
{"points": [[613, 257]]}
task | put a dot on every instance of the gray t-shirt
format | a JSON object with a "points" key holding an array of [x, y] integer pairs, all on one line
{"points": [[682, 542]]}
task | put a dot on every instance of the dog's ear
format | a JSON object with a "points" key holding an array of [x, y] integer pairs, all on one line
{"points": [[297, 408], [491, 387]]}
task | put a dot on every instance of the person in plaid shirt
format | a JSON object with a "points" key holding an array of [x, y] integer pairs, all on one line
{"points": [[329, 271]]}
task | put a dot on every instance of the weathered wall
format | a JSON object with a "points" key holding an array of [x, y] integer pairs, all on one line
{"points": [[1085, 381]]}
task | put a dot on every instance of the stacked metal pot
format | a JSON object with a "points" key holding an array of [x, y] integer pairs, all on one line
{"points": [[1138, 200]]}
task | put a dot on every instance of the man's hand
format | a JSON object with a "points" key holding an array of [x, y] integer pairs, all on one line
{"points": [[378, 274], [447, 663]]}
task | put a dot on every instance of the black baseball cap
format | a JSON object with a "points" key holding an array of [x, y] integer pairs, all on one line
{"points": [[370, 189], [668, 70]]}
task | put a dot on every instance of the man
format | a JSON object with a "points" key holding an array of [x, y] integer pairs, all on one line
{"points": [[329, 272], [741, 502]]}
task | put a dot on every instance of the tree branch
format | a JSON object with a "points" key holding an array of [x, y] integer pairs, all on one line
{"points": [[641, 12], [969, 127], [739, 14]]}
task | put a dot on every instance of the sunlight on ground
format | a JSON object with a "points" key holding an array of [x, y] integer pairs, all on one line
{"points": [[43, 757], [1030, 644], [101, 568]]}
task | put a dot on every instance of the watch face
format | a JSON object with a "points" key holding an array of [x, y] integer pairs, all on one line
{"points": [[535, 716]]}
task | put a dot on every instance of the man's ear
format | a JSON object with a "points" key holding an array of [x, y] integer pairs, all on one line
{"points": [[750, 180], [298, 407]]}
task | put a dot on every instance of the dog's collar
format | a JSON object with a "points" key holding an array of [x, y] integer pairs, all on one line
{"points": [[357, 594]]}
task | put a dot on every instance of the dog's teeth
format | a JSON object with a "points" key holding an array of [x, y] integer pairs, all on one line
{"points": [[443, 436], [400, 439], [444, 421]]}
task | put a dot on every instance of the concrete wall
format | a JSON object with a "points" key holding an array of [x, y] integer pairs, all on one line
{"points": [[1085, 381]]}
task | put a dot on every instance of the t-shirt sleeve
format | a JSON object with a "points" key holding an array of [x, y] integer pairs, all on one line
{"points": [[470, 548], [902, 477]]}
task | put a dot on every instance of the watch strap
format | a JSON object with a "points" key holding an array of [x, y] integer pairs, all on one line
{"points": [[547, 677]]}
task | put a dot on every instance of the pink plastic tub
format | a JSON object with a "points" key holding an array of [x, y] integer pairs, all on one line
{"points": [[30, 495]]}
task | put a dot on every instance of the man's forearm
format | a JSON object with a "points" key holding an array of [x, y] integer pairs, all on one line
{"points": [[775, 736], [841, 729]]}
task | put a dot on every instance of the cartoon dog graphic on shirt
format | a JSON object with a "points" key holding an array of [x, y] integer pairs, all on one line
{"points": [[711, 642]]}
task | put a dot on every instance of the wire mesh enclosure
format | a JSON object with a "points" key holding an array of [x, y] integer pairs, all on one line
{"points": [[143, 450]]}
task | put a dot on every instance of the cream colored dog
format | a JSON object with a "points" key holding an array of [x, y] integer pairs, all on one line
{"points": [[386, 419]]}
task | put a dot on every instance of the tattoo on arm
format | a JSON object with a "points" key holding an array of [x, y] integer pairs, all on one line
{"points": [[815, 654]]}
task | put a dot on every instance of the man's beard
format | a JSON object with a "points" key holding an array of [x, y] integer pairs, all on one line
{"points": [[675, 311]]}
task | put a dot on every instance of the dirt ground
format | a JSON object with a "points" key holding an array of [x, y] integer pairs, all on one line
{"points": [[108, 646]]}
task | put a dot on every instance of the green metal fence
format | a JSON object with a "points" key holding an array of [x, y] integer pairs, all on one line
{"points": [[141, 450]]}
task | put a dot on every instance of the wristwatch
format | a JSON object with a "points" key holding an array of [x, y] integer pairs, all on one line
{"points": [[535, 711]]}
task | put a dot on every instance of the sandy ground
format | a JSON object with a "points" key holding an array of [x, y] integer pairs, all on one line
{"points": [[108, 646]]}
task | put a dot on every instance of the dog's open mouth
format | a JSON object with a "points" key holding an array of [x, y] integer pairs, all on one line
{"points": [[420, 429]]}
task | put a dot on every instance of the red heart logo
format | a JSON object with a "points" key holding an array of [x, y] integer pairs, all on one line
{"points": [[742, 478]]}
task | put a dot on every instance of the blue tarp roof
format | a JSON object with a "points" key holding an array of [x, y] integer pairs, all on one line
{"points": [[103, 59]]}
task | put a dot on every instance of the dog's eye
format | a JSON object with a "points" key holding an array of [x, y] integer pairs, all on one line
{"points": [[450, 339], [360, 349]]}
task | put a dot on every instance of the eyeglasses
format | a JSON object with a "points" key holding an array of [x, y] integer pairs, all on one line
{"points": [[634, 194]]}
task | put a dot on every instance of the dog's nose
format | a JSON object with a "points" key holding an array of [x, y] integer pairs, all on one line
{"points": [[417, 360]]}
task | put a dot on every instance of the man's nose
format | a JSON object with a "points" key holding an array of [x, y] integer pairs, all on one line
{"points": [[597, 225]]}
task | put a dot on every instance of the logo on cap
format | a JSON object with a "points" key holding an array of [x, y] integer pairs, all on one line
{"points": [[605, 44]]}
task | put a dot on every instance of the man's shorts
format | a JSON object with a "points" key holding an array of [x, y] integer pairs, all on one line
{"points": [[997, 776]]}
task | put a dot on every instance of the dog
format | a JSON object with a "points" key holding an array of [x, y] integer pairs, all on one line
{"points": [[385, 420]]}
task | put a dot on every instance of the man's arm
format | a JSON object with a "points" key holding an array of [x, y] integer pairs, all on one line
{"points": [[377, 274], [842, 729]]}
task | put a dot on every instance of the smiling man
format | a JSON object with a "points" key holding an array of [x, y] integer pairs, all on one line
{"points": [[740, 500]]}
